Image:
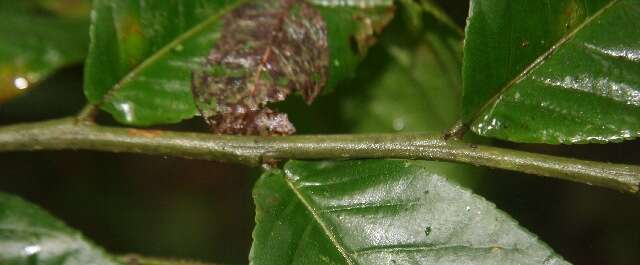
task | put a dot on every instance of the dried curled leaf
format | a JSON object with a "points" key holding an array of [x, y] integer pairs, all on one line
{"points": [[371, 22], [266, 51]]}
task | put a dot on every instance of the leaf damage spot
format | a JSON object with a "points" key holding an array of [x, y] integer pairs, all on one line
{"points": [[371, 23], [133, 44], [266, 51]]}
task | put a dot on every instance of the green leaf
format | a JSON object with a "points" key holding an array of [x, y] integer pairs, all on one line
{"points": [[411, 81], [29, 235], [141, 58], [68, 8], [142, 53], [561, 71], [382, 212], [34, 44]]}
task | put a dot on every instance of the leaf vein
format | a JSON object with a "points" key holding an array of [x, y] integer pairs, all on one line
{"points": [[559, 44]]}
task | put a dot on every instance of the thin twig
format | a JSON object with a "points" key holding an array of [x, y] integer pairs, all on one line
{"points": [[67, 134], [139, 260]]}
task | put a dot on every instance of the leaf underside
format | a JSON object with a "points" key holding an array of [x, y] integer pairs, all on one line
{"points": [[569, 73], [382, 212], [266, 51]]}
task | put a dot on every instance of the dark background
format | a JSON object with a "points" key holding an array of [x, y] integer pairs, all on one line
{"points": [[167, 207]]}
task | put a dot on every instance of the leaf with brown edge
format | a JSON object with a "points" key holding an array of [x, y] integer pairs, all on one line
{"points": [[267, 50]]}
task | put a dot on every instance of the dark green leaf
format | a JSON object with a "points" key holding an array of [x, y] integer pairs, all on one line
{"points": [[411, 82], [561, 71], [34, 44], [141, 59], [382, 212], [29, 235]]}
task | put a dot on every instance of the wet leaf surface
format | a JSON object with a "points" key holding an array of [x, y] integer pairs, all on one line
{"points": [[569, 73], [29, 235], [266, 51], [141, 57], [382, 212], [34, 44]]}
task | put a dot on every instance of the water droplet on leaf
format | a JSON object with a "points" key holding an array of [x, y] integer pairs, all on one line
{"points": [[398, 124], [21, 83], [32, 250]]}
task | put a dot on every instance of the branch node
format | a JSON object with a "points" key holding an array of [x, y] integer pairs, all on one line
{"points": [[87, 115], [456, 132]]}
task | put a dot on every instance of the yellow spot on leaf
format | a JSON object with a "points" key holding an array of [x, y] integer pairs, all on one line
{"points": [[133, 44], [68, 8], [574, 14]]}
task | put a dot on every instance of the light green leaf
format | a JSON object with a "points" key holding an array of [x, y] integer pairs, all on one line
{"points": [[29, 235], [382, 212], [561, 71]]}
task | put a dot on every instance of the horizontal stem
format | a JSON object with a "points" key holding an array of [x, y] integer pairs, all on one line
{"points": [[138, 260], [68, 134]]}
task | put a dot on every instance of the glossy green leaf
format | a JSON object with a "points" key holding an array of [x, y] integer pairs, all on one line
{"points": [[382, 212], [31, 236], [34, 44], [141, 57], [142, 54], [562, 71]]}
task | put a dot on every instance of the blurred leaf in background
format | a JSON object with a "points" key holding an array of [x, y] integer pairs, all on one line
{"points": [[410, 82], [29, 235], [35, 43]]}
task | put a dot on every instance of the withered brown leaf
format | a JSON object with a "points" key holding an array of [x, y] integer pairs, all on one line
{"points": [[266, 51]]}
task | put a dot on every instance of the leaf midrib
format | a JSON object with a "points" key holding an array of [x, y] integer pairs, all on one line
{"points": [[537, 62], [168, 48], [325, 227]]}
